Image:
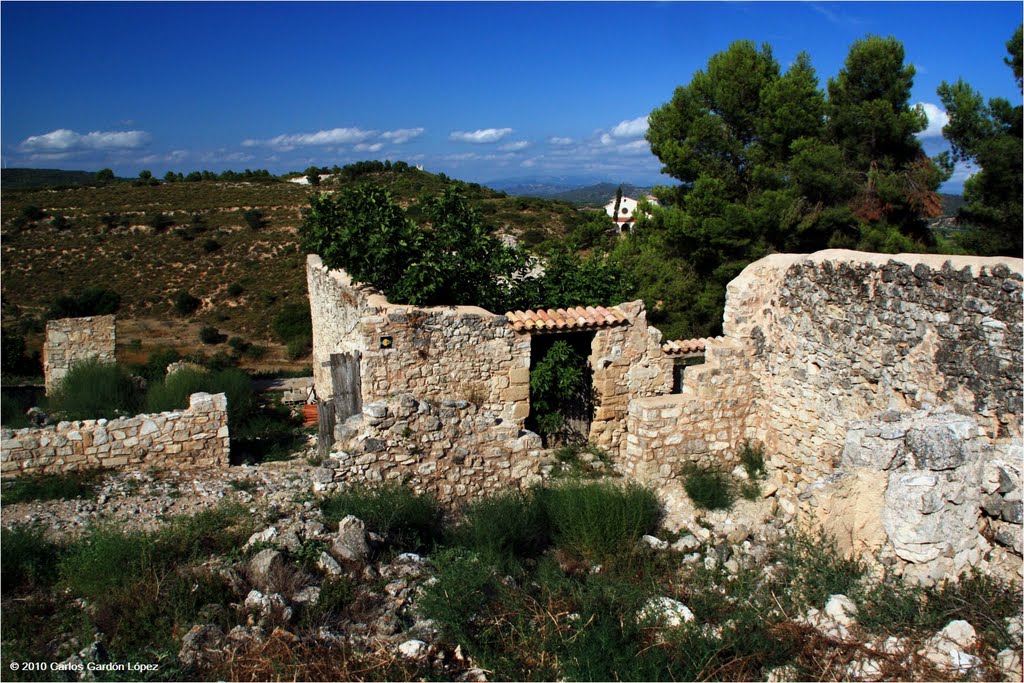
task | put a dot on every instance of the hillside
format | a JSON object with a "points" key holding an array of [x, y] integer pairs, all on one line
{"points": [[37, 178], [598, 195], [149, 242]]}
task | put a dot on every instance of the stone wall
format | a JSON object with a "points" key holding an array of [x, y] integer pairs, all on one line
{"points": [[72, 340], [456, 352], [196, 437], [814, 341], [840, 335], [627, 363], [704, 424], [452, 449]]}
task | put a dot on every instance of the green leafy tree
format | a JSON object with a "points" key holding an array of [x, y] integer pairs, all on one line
{"points": [[105, 176], [989, 136], [313, 175], [555, 381]]}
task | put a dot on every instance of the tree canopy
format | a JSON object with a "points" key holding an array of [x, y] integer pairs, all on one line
{"points": [[989, 136], [769, 161]]}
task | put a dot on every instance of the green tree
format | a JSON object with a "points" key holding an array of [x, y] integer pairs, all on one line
{"points": [[105, 175], [313, 175], [990, 137]]}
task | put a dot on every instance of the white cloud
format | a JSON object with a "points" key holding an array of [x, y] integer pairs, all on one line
{"points": [[334, 136], [635, 147], [514, 146], [402, 135], [366, 147], [633, 128], [606, 139], [64, 140], [560, 141], [483, 135], [936, 120]]}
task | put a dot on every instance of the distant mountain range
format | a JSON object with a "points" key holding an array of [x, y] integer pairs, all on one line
{"points": [[36, 178], [582, 192]]}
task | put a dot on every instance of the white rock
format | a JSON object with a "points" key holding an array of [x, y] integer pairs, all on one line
{"points": [[841, 609], [687, 543], [1009, 663], [265, 536], [666, 611], [328, 564], [413, 649], [864, 670], [655, 542]]}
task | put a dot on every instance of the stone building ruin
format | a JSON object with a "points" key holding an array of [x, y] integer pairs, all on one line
{"points": [[814, 347], [73, 340]]}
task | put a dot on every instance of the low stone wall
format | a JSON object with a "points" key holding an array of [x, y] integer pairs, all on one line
{"points": [[72, 340], [196, 437], [703, 424], [452, 449]]}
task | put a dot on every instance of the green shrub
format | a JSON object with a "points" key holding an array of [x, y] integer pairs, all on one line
{"points": [[752, 459], [813, 569], [91, 301], [458, 599], [235, 289], [598, 520], [254, 218], [410, 520], [185, 303], [505, 527], [63, 486], [238, 344], [293, 322], [708, 487], [173, 393], [12, 412], [156, 364], [27, 559], [160, 222], [299, 347], [210, 245], [208, 334], [94, 389]]}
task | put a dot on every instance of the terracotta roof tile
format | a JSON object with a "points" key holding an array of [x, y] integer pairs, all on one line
{"points": [[566, 319], [682, 347]]}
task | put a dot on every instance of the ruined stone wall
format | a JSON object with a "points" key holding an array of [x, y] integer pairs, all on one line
{"points": [[812, 342], [705, 423], [72, 340], [627, 363], [452, 449], [840, 335], [196, 437], [443, 352]]}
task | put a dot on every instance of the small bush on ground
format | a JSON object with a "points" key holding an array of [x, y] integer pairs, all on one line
{"points": [[65, 486], [185, 303], [94, 389], [235, 289], [91, 301], [752, 459], [505, 527], [208, 334], [411, 521], [27, 559], [293, 322], [173, 393], [597, 520], [708, 487]]}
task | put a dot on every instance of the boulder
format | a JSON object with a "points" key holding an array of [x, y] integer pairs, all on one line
{"points": [[350, 541], [264, 566]]}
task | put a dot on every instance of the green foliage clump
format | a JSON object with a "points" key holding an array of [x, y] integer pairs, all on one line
{"points": [[409, 520], [173, 393], [62, 486], [505, 527], [14, 360], [91, 301], [292, 322], [94, 389], [185, 303], [254, 219], [708, 487], [27, 559], [208, 334], [989, 136], [597, 520], [814, 569], [557, 379]]}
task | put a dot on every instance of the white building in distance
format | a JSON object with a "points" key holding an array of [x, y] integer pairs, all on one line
{"points": [[626, 216]]}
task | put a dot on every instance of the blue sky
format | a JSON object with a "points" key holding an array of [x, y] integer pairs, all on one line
{"points": [[480, 91]]}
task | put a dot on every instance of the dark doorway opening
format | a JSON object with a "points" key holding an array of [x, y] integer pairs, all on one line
{"points": [[561, 387]]}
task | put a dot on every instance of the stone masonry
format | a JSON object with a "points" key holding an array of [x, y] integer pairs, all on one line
{"points": [[72, 340], [196, 437], [814, 341], [451, 449]]}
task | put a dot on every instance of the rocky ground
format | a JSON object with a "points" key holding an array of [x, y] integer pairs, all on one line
{"points": [[387, 634]]}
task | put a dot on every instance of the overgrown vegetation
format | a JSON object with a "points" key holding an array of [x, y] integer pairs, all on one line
{"points": [[64, 486]]}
